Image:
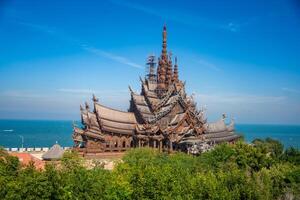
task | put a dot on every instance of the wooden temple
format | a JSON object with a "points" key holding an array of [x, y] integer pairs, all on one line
{"points": [[161, 116]]}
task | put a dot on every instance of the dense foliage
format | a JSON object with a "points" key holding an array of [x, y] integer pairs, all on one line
{"points": [[263, 170]]}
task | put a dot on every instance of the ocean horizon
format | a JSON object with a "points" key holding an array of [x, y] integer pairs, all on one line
{"points": [[45, 133]]}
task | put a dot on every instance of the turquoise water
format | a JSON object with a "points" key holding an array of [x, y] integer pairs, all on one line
{"points": [[45, 133], [36, 133], [288, 135]]}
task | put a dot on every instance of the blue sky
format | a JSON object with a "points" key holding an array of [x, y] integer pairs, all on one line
{"points": [[238, 57]]}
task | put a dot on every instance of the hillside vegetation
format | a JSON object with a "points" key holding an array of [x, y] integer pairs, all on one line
{"points": [[263, 170]]}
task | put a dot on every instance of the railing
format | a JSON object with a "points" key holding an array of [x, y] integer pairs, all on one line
{"points": [[32, 149]]}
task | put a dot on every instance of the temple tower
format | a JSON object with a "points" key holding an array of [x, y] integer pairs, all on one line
{"points": [[175, 73], [162, 64], [164, 55], [169, 71], [151, 72]]}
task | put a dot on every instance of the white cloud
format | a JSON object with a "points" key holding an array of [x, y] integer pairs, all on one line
{"points": [[111, 56], [179, 16], [46, 29], [291, 90], [20, 94], [61, 35], [76, 91], [106, 93], [207, 64], [239, 98], [231, 26]]}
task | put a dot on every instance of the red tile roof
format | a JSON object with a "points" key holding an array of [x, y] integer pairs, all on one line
{"points": [[26, 158]]}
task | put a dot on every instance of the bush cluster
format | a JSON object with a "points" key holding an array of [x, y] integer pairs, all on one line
{"points": [[263, 170]]}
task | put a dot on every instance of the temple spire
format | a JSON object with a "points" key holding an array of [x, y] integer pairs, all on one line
{"points": [[162, 63], [175, 73], [169, 72], [164, 45]]}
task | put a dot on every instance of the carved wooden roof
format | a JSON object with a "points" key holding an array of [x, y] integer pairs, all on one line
{"points": [[139, 99], [218, 126], [177, 118], [114, 115], [93, 120]]}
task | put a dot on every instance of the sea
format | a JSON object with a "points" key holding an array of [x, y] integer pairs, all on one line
{"points": [[44, 133]]}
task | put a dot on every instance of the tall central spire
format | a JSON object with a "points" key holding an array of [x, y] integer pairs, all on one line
{"points": [[164, 45], [162, 63]]}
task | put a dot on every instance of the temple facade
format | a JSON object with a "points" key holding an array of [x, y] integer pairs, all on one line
{"points": [[161, 116]]}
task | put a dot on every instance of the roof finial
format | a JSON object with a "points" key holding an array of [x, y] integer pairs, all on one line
{"points": [[130, 89], [95, 99], [87, 107], [175, 73], [224, 116], [164, 46]]}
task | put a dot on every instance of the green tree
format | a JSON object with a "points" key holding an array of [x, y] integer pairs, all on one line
{"points": [[292, 155]]}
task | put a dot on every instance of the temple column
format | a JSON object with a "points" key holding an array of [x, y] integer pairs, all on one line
{"points": [[160, 145], [154, 143], [111, 145], [120, 144], [139, 143], [171, 145]]}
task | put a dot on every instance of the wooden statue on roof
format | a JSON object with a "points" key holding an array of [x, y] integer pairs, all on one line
{"points": [[161, 116]]}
